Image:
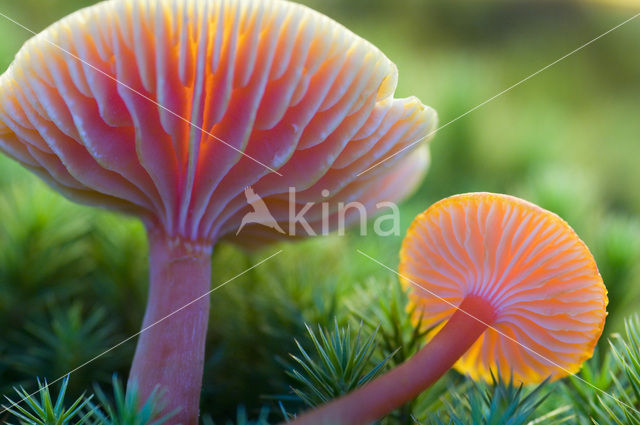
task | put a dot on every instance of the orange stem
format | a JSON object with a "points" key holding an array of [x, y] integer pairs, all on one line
{"points": [[407, 381]]}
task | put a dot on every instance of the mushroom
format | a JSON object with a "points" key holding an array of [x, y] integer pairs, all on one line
{"points": [[510, 288], [170, 109]]}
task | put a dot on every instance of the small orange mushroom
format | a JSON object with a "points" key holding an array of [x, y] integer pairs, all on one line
{"points": [[169, 109], [512, 289]]}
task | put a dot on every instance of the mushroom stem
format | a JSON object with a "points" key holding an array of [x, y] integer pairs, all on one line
{"points": [[171, 345], [408, 380]]}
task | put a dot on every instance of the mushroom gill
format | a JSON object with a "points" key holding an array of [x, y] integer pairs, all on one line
{"points": [[527, 264], [170, 109]]}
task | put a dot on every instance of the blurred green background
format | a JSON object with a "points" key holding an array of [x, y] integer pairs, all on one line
{"points": [[73, 279]]}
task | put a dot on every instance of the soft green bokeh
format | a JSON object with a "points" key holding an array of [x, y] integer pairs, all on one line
{"points": [[567, 139]]}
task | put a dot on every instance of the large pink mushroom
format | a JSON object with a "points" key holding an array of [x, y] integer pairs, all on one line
{"points": [[170, 109]]}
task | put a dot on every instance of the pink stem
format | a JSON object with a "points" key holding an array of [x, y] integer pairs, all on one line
{"points": [[402, 384], [170, 350]]}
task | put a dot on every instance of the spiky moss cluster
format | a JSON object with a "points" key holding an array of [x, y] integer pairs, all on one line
{"points": [[607, 391], [39, 407]]}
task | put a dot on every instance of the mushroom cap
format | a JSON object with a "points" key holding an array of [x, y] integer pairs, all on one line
{"points": [[400, 182], [527, 263], [169, 109]]}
